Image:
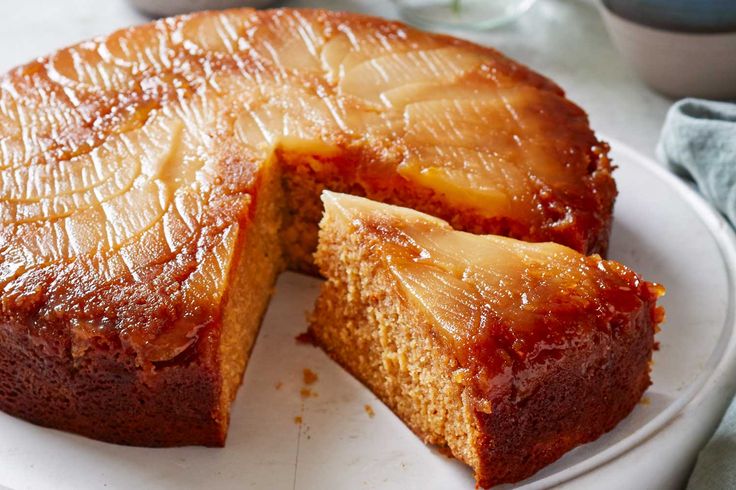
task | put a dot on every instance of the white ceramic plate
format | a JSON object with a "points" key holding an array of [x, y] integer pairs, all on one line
{"points": [[662, 229]]}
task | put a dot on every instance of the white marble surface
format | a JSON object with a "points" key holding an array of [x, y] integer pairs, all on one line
{"points": [[564, 39]]}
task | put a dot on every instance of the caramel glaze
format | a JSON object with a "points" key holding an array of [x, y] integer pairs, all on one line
{"points": [[505, 344], [502, 357]]}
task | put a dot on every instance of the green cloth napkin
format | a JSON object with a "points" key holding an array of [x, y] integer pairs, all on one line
{"points": [[698, 141], [715, 468]]}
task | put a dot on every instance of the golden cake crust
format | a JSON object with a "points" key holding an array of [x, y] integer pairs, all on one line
{"points": [[132, 168]]}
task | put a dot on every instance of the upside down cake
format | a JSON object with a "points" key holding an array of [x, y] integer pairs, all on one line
{"points": [[506, 353], [154, 182]]}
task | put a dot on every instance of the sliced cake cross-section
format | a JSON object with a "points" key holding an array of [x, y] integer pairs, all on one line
{"points": [[506, 353]]}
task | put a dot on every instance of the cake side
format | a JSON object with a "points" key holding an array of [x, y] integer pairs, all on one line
{"points": [[257, 264], [106, 396], [505, 423]]}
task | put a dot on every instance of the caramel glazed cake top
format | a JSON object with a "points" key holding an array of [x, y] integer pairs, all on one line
{"points": [[130, 165]]}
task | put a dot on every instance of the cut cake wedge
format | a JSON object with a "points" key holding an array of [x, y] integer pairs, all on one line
{"points": [[507, 353]]}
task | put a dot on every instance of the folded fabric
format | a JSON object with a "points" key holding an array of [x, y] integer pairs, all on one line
{"points": [[699, 141], [715, 468]]}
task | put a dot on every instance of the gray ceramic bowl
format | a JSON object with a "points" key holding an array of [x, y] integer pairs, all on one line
{"points": [[164, 8], [678, 15], [677, 63]]}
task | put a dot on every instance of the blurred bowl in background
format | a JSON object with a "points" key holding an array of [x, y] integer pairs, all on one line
{"points": [[678, 15], [462, 14], [678, 63], [165, 8]]}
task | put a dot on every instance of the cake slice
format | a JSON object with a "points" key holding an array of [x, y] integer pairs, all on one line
{"points": [[506, 353]]}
